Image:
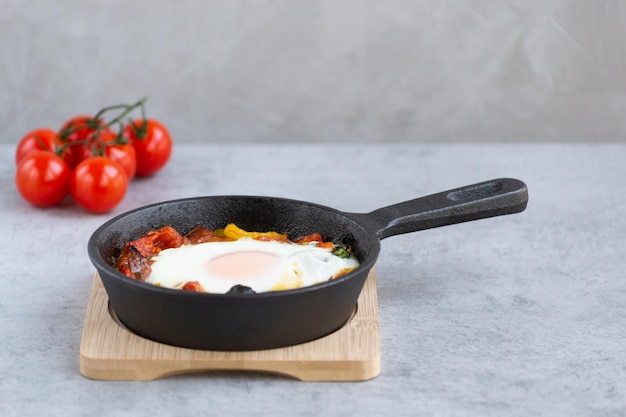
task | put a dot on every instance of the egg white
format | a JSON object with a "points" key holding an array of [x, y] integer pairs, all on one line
{"points": [[296, 266]]}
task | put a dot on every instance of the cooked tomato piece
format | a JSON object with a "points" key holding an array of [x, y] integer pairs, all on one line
{"points": [[193, 286], [315, 237], [326, 245], [154, 242], [201, 234], [132, 264]]}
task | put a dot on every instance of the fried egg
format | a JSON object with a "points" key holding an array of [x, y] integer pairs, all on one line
{"points": [[261, 265]]}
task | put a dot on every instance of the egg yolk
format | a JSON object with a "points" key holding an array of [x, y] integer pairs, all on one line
{"points": [[242, 265]]}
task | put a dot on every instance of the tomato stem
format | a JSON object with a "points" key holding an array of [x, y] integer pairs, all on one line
{"points": [[40, 143], [94, 123], [109, 108]]}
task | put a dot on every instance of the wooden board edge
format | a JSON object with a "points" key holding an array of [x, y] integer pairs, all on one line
{"points": [[309, 371], [361, 368]]}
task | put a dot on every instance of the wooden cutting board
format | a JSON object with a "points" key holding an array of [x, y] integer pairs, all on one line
{"points": [[109, 351]]}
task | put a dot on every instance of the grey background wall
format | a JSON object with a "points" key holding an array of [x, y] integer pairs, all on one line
{"points": [[322, 70]]}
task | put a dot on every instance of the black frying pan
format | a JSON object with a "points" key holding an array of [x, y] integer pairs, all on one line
{"points": [[281, 318]]}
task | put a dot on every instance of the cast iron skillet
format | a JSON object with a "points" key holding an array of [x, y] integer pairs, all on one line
{"points": [[238, 322]]}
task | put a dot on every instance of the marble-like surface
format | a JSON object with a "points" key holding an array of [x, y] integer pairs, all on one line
{"points": [[518, 315], [322, 70]]}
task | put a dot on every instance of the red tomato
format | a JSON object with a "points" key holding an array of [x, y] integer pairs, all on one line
{"points": [[36, 140], [153, 149], [123, 154], [98, 184], [42, 178], [77, 130]]}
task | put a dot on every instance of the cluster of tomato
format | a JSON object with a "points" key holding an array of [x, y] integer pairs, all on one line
{"points": [[90, 158]]}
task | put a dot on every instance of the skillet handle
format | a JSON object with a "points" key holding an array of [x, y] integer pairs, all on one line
{"points": [[473, 202]]}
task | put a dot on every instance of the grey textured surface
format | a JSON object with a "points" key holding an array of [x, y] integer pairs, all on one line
{"points": [[322, 70], [521, 315]]}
